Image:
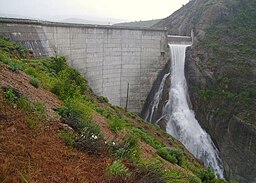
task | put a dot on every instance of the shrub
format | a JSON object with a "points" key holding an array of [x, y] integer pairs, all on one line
{"points": [[76, 114], [165, 153], [117, 169], [24, 104], [147, 138], [10, 95], [207, 176], [34, 82], [68, 137], [30, 71], [90, 139], [116, 125], [39, 109], [103, 99], [126, 148], [152, 172], [193, 179], [58, 63], [14, 66]]}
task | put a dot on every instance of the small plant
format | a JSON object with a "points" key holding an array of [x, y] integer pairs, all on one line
{"points": [[147, 138], [68, 137], [30, 71], [10, 95], [117, 169], [193, 179], [90, 139], [207, 176], [166, 154], [116, 125], [14, 66], [24, 104], [39, 109], [32, 123], [152, 172], [103, 99], [34, 82]]}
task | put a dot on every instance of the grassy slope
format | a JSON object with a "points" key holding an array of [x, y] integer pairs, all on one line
{"points": [[34, 130]]}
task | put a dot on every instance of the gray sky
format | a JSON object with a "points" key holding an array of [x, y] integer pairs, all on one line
{"points": [[119, 9]]}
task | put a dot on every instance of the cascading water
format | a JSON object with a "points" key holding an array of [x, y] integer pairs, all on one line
{"points": [[181, 121]]}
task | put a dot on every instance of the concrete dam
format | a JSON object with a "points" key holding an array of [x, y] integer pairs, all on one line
{"points": [[109, 57]]}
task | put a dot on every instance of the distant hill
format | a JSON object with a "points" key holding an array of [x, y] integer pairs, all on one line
{"points": [[147, 23], [84, 21]]}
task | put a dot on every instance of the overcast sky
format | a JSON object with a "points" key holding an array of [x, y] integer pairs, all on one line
{"points": [[119, 9]]}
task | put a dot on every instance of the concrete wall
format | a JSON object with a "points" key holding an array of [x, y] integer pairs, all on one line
{"points": [[108, 57]]}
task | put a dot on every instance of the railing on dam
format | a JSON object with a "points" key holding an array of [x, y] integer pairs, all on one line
{"points": [[174, 39]]}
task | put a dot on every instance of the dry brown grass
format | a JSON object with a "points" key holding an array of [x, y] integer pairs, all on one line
{"points": [[39, 155]]}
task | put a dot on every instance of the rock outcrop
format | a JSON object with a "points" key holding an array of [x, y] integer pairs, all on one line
{"points": [[221, 75]]}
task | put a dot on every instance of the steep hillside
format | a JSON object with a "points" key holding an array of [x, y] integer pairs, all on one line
{"points": [[221, 74], [54, 129]]}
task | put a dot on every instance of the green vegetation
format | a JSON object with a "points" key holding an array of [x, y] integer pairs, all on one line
{"points": [[117, 169], [34, 82], [141, 145], [231, 54]]}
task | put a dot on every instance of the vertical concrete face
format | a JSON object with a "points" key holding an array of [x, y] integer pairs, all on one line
{"points": [[108, 57]]}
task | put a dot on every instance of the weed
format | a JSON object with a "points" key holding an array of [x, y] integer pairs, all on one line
{"points": [[69, 137], [116, 125], [90, 139], [152, 172], [32, 123], [14, 66], [39, 109], [30, 71], [24, 103], [166, 154], [193, 178], [126, 148], [103, 99], [147, 138], [10, 95], [34, 82], [117, 169], [207, 176]]}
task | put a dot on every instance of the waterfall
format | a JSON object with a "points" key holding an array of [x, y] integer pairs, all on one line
{"points": [[181, 121]]}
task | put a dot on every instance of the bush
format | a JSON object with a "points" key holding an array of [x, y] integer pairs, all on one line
{"points": [[90, 139], [116, 125], [207, 176], [152, 172], [30, 71], [34, 82], [147, 138], [14, 66], [68, 137], [58, 63], [10, 95], [39, 109], [76, 114], [126, 148], [24, 104], [117, 169], [165, 153], [193, 179], [103, 99]]}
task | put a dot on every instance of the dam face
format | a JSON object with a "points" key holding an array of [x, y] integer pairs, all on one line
{"points": [[109, 57]]}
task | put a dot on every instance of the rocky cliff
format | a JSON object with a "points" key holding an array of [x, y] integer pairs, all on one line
{"points": [[221, 75]]}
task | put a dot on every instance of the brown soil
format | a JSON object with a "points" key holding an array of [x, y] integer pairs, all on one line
{"points": [[20, 82], [38, 153]]}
